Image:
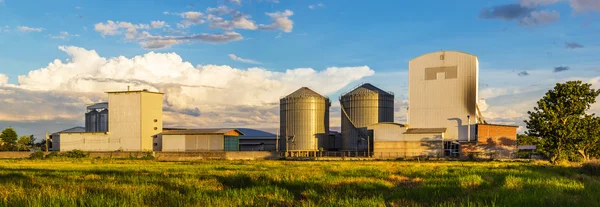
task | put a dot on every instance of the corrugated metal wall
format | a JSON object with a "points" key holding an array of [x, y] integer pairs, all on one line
{"points": [[364, 107], [306, 117], [445, 101]]}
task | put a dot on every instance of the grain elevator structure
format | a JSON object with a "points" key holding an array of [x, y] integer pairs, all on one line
{"points": [[304, 121], [364, 106]]}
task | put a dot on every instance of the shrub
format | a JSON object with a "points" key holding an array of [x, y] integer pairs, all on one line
{"points": [[37, 155], [148, 155], [75, 154], [52, 155], [592, 167]]}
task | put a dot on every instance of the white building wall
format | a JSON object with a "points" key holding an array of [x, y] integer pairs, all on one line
{"points": [[444, 102], [173, 143], [387, 132], [125, 119], [88, 142]]}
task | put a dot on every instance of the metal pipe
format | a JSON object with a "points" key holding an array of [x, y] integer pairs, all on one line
{"points": [[469, 129]]}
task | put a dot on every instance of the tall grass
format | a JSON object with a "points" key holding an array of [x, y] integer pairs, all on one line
{"points": [[104, 182]]}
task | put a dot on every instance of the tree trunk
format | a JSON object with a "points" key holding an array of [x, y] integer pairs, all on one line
{"points": [[584, 155]]}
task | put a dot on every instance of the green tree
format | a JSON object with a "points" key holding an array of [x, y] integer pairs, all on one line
{"points": [[23, 143], [9, 136], [557, 116], [588, 141], [523, 139]]}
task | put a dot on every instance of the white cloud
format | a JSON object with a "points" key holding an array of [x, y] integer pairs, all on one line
{"points": [[316, 6], [236, 58], [238, 2], [190, 18], [280, 20], [149, 41], [535, 3], [29, 29], [63, 35], [201, 96], [3, 79], [585, 5], [158, 24], [577, 5], [111, 28], [540, 18]]}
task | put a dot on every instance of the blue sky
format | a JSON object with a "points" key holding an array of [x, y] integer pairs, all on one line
{"points": [[526, 37]]}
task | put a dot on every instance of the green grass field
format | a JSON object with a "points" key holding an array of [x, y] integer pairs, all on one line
{"points": [[292, 183]]}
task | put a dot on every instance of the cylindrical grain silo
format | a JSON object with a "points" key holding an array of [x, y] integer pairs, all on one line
{"points": [[103, 121], [304, 118], [362, 107], [91, 120]]}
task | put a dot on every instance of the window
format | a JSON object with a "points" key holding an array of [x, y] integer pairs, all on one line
{"points": [[155, 120], [155, 144], [231, 143], [439, 72], [155, 128]]}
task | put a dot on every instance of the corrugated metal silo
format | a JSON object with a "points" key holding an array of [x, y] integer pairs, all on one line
{"points": [[362, 107], [304, 115], [91, 120], [103, 121]]}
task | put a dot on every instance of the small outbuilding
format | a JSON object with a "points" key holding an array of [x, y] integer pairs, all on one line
{"points": [[201, 140]]}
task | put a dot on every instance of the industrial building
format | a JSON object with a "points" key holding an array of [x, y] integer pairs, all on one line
{"points": [[304, 120], [257, 140], [443, 120], [134, 119]]}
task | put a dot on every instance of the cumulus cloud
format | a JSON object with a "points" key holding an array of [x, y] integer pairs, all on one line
{"points": [[540, 18], [239, 59], [573, 45], [523, 73], [560, 69], [3, 79], [29, 29], [280, 20], [195, 96]]}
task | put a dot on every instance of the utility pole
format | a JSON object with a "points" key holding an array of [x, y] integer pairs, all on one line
{"points": [[47, 138], [277, 141]]}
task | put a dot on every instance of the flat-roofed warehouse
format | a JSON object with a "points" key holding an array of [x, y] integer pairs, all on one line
{"points": [[201, 140]]}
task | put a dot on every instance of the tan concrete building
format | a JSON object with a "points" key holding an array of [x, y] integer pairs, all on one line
{"points": [[135, 119], [443, 93]]}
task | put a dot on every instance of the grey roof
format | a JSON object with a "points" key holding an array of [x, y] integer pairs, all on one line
{"points": [[200, 131], [367, 88], [304, 92], [101, 105], [74, 129], [425, 130], [255, 133], [390, 123]]}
